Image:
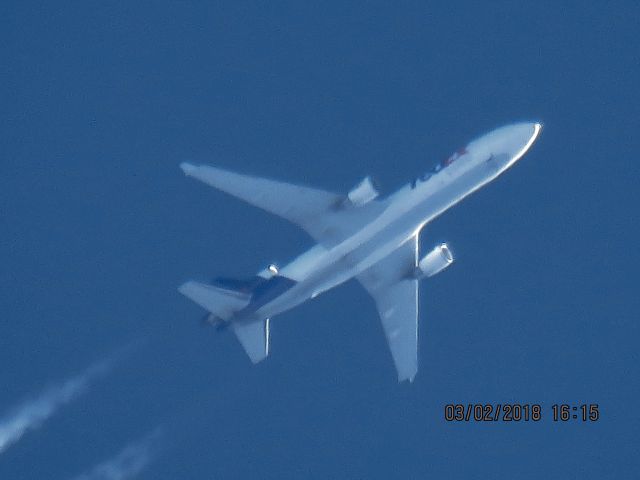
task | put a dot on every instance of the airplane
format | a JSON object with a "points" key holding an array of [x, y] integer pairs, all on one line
{"points": [[359, 235]]}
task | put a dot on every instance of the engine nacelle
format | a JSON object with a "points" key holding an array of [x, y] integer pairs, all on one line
{"points": [[270, 271], [362, 193], [434, 262]]}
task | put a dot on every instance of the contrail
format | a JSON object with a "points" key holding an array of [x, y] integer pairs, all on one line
{"points": [[131, 460], [31, 414]]}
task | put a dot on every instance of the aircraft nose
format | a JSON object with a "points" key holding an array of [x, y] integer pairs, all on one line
{"points": [[517, 139], [508, 143]]}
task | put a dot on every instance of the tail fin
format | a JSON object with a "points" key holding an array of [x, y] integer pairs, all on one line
{"points": [[222, 303], [253, 335]]}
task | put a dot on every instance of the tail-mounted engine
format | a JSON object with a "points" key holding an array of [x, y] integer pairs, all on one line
{"points": [[434, 262]]}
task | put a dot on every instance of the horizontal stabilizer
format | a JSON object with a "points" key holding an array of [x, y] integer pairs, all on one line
{"points": [[220, 302], [254, 337]]}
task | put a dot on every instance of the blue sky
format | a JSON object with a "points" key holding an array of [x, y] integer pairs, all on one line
{"points": [[103, 100]]}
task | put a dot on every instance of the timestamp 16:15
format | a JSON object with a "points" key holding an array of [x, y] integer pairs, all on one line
{"points": [[586, 413]]}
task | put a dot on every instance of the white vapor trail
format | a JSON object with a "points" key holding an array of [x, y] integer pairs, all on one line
{"points": [[129, 462], [32, 413]]}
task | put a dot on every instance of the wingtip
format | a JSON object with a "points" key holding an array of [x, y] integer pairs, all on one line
{"points": [[185, 287], [406, 377], [188, 168]]}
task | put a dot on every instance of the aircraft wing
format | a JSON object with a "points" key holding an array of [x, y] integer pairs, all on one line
{"points": [[396, 297], [317, 211]]}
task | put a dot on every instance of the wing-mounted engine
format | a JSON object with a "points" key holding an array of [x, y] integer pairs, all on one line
{"points": [[362, 193], [434, 262]]}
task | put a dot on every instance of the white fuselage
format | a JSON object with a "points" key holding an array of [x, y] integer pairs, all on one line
{"points": [[405, 213]]}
